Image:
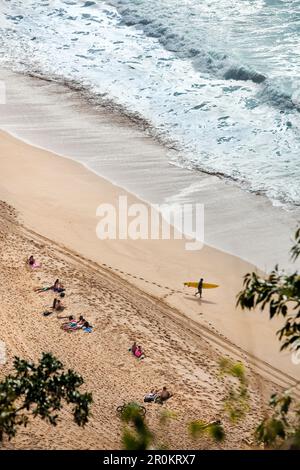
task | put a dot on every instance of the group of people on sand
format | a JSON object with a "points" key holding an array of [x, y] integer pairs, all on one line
{"points": [[72, 325], [57, 306], [156, 396]]}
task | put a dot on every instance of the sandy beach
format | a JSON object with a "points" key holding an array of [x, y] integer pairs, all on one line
{"points": [[177, 353], [64, 121], [129, 290], [114, 115]]}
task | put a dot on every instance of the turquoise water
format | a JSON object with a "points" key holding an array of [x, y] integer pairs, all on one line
{"points": [[218, 79]]}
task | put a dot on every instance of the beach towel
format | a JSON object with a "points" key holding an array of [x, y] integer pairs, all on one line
{"points": [[69, 326], [43, 289]]}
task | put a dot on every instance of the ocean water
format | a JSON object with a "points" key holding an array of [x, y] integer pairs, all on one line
{"points": [[218, 80]]}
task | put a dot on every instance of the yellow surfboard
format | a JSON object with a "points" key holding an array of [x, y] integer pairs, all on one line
{"points": [[205, 285]]}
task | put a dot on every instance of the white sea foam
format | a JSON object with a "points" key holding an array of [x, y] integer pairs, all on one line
{"points": [[219, 79]]}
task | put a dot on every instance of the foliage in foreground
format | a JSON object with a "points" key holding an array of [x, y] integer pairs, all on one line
{"points": [[39, 390], [236, 403], [214, 430], [280, 292], [136, 434], [282, 429]]}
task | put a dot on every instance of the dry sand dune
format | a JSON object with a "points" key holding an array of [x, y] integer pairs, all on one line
{"points": [[178, 356]]}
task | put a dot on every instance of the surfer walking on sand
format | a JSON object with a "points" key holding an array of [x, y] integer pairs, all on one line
{"points": [[200, 287]]}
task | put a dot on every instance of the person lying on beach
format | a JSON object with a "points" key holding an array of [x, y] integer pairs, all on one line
{"points": [[137, 351], [71, 319], [57, 287], [163, 395], [73, 325]]}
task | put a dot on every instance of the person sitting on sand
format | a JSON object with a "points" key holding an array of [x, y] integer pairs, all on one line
{"points": [[58, 287], [71, 321], [70, 326], [163, 395], [139, 353], [133, 348], [81, 322], [43, 289], [31, 261]]}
